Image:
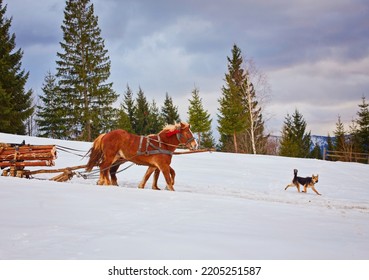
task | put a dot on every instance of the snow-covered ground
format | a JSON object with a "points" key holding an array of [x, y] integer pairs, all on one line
{"points": [[226, 206]]}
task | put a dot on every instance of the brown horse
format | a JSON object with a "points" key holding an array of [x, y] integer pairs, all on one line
{"points": [[118, 146]]}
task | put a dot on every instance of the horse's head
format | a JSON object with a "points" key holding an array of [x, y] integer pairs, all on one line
{"points": [[184, 135]]}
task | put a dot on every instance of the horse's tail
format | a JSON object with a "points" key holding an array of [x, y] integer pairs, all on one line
{"points": [[96, 153]]}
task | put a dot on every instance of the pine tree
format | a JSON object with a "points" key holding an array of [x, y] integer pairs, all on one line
{"points": [[232, 116], [155, 121], [316, 152], [340, 136], [83, 69], [198, 117], [141, 114], [169, 112], [208, 140], [295, 142], [123, 121], [362, 133], [5, 110], [16, 103], [128, 105], [330, 146], [345, 141], [50, 115]]}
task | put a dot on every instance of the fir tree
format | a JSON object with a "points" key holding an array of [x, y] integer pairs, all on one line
{"points": [[169, 112], [198, 117], [330, 146], [128, 105], [123, 121], [340, 136], [316, 152], [83, 69], [295, 142], [232, 117], [5, 110], [16, 103], [362, 132], [141, 114], [50, 115], [208, 140], [155, 121]]}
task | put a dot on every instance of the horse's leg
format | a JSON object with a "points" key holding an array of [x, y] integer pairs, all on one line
{"points": [[172, 174], [104, 172], [147, 175], [113, 170], [166, 170], [155, 181], [156, 177]]}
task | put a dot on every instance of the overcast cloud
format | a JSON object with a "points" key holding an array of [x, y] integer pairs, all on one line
{"points": [[315, 54]]}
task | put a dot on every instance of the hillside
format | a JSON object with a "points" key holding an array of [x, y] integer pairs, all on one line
{"points": [[226, 206]]}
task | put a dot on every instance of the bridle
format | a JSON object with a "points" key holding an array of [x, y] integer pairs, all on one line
{"points": [[179, 136]]}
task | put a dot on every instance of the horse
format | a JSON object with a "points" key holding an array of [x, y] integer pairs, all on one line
{"points": [[155, 151]]}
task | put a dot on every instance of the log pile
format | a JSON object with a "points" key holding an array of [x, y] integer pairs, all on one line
{"points": [[14, 158], [27, 155]]}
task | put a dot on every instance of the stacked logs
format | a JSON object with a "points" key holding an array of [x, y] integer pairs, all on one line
{"points": [[26, 155]]}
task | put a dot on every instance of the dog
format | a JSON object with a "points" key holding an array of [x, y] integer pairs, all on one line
{"points": [[307, 182]]}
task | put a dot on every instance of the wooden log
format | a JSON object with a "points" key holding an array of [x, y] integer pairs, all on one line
{"points": [[56, 170], [29, 148], [195, 151], [28, 156], [65, 176], [27, 163]]}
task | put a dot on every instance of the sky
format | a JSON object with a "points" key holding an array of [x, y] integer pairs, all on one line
{"points": [[313, 55]]}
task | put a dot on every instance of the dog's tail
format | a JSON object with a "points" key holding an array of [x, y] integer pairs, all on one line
{"points": [[295, 172]]}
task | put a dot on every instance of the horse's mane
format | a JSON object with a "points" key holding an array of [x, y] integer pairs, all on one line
{"points": [[172, 127]]}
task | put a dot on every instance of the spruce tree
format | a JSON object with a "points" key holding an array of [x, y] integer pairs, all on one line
{"points": [[15, 102], [141, 114], [198, 117], [295, 142], [83, 70], [340, 136], [155, 121], [50, 114], [169, 112], [232, 115], [123, 121], [316, 152], [207, 140], [128, 105], [362, 132]]}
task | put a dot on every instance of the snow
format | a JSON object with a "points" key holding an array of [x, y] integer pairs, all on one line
{"points": [[226, 206]]}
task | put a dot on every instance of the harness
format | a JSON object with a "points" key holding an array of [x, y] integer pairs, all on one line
{"points": [[156, 149]]}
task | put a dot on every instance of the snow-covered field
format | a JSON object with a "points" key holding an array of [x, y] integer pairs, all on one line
{"points": [[226, 206]]}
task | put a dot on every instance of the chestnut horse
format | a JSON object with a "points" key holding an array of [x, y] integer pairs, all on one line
{"points": [[118, 146]]}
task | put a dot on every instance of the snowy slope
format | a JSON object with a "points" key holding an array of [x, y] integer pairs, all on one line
{"points": [[226, 206]]}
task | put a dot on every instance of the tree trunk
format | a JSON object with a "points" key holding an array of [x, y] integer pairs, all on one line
{"points": [[235, 142]]}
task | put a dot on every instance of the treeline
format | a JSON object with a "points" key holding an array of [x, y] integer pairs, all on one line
{"points": [[354, 139], [296, 141], [78, 101]]}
